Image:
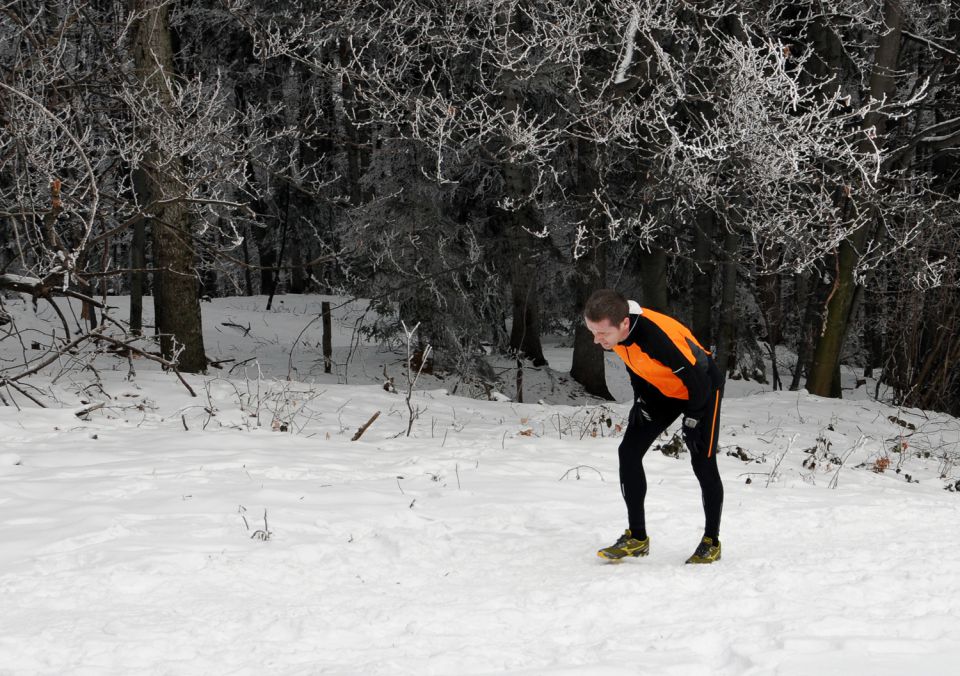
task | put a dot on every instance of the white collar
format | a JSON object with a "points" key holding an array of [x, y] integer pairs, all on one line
{"points": [[633, 307]]}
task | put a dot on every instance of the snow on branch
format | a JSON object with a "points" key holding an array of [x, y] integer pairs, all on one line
{"points": [[628, 38]]}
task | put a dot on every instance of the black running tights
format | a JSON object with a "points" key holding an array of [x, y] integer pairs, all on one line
{"points": [[640, 435]]}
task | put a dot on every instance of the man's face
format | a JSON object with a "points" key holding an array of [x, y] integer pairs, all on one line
{"points": [[606, 334]]}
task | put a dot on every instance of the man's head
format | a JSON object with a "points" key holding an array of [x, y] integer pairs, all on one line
{"points": [[607, 315]]}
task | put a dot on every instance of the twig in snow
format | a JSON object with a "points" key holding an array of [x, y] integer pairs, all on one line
{"points": [[776, 465], [577, 470], [843, 461], [245, 329], [364, 427], [14, 386], [414, 413], [83, 412], [263, 534]]}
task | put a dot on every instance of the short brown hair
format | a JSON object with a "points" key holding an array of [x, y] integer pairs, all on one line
{"points": [[606, 304]]}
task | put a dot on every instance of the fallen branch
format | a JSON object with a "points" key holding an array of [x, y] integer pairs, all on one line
{"points": [[365, 426], [97, 335], [43, 288], [219, 364], [14, 386], [245, 329], [53, 357], [149, 355], [83, 412]]}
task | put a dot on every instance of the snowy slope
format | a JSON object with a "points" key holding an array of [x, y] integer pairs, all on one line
{"points": [[135, 538]]}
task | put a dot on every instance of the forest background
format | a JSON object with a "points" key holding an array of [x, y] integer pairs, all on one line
{"points": [[779, 175]]}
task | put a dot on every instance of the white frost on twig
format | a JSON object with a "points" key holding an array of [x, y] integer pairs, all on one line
{"points": [[628, 37]]}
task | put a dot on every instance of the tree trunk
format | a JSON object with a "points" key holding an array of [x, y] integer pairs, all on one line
{"points": [[589, 363], [298, 278], [327, 336], [826, 358], [771, 309], [247, 277], [590, 273], [176, 306], [726, 339], [208, 282], [653, 278], [702, 287], [521, 217], [807, 293], [525, 333], [873, 341], [354, 116], [268, 260], [138, 256], [283, 248]]}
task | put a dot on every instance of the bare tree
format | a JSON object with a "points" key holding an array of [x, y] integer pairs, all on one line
{"points": [[176, 300], [98, 133]]}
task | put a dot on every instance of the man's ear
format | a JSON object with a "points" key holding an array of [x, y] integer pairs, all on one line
{"points": [[625, 324]]}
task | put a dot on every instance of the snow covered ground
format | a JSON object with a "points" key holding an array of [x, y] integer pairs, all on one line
{"points": [[243, 532]]}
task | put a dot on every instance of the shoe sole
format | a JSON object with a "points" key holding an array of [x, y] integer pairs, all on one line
{"points": [[702, 562], [614, 559]]}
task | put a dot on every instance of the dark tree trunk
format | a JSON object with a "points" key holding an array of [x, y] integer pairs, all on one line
{"points": [[208, 280], [525, 333], [175, 302], [138, 256], [873, 328], [840, 303], [726, 340], [247, 277], [589, 364], [327, 336], [590, 273], [268, 261], [806, 293], [768, 298], [358, 142], [522, 252], [298, 278], [283, 248], [702, 287], [176, 306], [521, 218], [653, 278]]}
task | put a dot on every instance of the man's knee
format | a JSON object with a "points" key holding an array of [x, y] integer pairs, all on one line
{"points": [[705, 468]]}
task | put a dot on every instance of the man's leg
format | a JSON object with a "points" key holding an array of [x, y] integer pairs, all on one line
{"points": [[640, 435], [703, 456]]}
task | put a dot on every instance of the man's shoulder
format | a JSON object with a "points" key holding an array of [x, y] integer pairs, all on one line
{"points": [[651, 330]]}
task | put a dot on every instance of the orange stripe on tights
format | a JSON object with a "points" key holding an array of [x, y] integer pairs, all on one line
{"points": [[713, 424]]}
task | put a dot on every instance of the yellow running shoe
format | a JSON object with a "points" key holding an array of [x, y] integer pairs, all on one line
{"points": [[627, 545], [708, 551]]}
